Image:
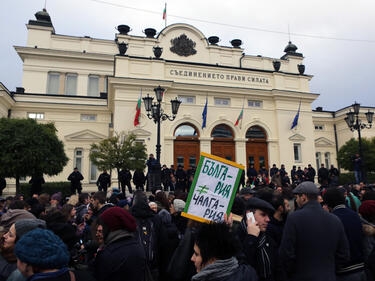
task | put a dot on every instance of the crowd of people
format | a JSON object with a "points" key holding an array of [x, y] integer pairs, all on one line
{"points": [[296, 231]]}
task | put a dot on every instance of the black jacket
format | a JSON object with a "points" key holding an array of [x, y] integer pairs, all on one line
{"points": [[139, 178], [104, 180], [314, 244], [75, 179], [3, 183], [122, 259]]}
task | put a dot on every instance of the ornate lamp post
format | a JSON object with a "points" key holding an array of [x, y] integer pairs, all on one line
{"points": [[156, 113], [355, 124]]}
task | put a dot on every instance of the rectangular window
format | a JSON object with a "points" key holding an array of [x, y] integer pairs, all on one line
{"points": [[222, 102], [187, 99], [318, 157], [78, 154], [53, 83], [319, 127], [192, 161], [327, 158], [180, 161], [35, 115], [71, 84], [93, 87], [88, 117], [93, 172], [255, 103], [297, 152]]}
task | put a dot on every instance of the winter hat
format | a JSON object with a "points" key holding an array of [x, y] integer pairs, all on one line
{"points": [[367, 209], [179, 205], [42, 248], [57, 196], [123, 203], [25, 225], [117, 218], [11, 216]]}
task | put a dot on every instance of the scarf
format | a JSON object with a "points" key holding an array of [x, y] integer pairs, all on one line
{"points": [[218, 269], [263, 259], [113, 236]]}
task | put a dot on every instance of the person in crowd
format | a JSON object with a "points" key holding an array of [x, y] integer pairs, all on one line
{"points": [[153, 167], [251, 174], [352, 201], [122, 257], [293, 173], [276, 180], [300, 174], [41, 255], [258, 249], [173, 183], [354, 269], [153, 207], [165, 177], [69, 212], [181, 179], [190, 176], [172, 170], [310, 173], [246, 193], [273, 170], [75, 181], [242, 181], [56, 200], [139, 179], [263, 170], [3, 185], [282, 170], [36, 182], [333, 176], [125, 177], [104, 181], [285, 180], [323, 175], [214, 259], [82, 207], [162, 201], [314, 243], [357, 164], [99, 203], [177, 207], [276, 224]]}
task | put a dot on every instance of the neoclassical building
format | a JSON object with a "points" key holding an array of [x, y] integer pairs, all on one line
{"points": [[90, 91]]}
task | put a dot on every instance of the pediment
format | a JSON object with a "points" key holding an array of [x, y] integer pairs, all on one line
{"points": [[85, 135], [322, 141], [297, 137], [140, 132]]}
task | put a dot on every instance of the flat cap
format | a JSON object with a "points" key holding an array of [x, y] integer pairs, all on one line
{"points": [[256, 203], [247, 190], [306, 187]]}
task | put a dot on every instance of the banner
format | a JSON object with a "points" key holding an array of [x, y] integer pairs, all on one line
{"points": [[213, 189]]}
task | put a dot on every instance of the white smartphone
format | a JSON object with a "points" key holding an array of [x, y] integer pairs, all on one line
{"points": [[249, 216]]}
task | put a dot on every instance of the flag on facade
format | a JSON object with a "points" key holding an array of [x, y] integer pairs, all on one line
{"points": [[204, 115], [138, 110], [165, 12], [295, 121], [239, 118]]}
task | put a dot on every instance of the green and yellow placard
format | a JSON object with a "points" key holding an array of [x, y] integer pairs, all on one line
{"points": [[213, 189]]}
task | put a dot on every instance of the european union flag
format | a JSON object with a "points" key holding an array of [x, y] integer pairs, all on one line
{"points": [[295, 121], [204, 115]]}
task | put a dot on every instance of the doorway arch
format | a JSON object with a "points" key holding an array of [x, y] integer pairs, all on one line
{"points": [[256, 147], [186, 146], [223, 144]]}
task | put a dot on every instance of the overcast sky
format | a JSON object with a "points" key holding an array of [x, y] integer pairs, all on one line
{"points": [[343, 69]]}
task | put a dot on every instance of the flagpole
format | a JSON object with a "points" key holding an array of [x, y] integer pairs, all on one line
{"points": [[165, 14], [243, 104]]}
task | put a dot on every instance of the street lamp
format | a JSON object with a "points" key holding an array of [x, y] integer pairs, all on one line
{"points": [[355, 124], [156, 113]]}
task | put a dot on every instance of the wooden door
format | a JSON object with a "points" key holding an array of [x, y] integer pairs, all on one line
{"points": [[224, 149], [257, 154], [186, 153]]}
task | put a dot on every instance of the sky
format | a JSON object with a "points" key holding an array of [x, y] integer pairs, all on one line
{"points": [[337, 38]]}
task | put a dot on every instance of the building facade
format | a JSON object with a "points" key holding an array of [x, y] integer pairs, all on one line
{"points": [[90, 92]]}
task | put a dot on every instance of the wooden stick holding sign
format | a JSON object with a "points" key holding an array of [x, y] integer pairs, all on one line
{"points": [[213, 189]]}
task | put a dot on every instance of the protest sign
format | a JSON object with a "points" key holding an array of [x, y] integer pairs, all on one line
{"points": [[213, 189]]}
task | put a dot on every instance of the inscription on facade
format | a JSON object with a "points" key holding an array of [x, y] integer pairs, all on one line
{"points": [[219, 76]]}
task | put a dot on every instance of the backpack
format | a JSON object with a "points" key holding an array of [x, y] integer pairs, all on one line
{"points": [[147, 237]]}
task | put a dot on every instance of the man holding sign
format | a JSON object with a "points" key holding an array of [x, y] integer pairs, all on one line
{"points": [[213, 189]]}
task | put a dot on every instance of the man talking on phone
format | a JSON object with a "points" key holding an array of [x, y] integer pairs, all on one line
{"points": [[258, 250]]}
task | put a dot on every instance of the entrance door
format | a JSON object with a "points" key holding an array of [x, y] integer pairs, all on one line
{"points": [[186, 146], [223, 144], [256, 148]]}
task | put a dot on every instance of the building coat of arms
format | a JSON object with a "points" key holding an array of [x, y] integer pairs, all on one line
{"points": [[183, 46]]}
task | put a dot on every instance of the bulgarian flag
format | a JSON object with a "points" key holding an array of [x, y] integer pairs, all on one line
{"points": [[138, 110], [165, 11], [239, 118]]}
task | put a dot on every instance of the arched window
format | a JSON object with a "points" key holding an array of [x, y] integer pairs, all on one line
{"points": [[255, 132], [186, 130], [222, 131]]}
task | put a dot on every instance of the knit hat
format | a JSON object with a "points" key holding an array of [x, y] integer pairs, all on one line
{"points": [[25, 225], [367, 209], [42, 248], [11, 216], [179, 205], [123, 203], [117, 218], [57, 196]]}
